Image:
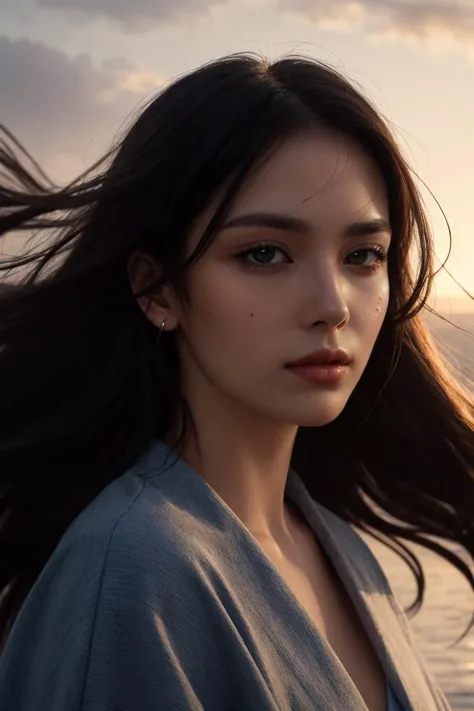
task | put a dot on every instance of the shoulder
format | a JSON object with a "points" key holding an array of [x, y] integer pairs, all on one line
{"points": [[123, 522], [134, 532], [124, 592], [148, 529]]}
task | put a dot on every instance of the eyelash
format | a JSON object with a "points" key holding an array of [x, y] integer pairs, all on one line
{"points": [[380, 253]]}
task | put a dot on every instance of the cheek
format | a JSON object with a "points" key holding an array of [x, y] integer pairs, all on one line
{"points": [[382, 304], [222, 310], [376, 310], [383, 296], [369, 311]]}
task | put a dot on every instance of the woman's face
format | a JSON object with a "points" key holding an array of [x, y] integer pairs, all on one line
{"points": [[307, 271]]}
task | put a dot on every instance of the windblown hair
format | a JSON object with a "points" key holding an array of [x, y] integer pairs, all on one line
{"points": [[84, 388]]}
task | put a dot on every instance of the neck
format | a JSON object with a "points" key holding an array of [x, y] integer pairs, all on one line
{"points": [[246, 460]]}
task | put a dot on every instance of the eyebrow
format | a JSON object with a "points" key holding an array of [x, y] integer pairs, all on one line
{"points": [[288, 223]]}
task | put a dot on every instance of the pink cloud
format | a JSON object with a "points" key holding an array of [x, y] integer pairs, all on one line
{"points": [[420, 18]]}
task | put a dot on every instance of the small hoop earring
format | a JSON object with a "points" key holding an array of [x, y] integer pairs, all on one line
{"points": [[160, 331]]}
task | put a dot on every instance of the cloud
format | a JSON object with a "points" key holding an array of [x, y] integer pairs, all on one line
{"points": [[131, 15], [57, 105], [415, 18]]}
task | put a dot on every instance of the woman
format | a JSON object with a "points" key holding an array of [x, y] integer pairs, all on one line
{"points": [[215, 370]]}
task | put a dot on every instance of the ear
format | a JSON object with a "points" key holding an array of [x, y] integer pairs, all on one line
{"points": [[143, 271]]}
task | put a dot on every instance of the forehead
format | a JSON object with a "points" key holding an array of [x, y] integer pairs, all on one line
{"points": [[325, 175]]}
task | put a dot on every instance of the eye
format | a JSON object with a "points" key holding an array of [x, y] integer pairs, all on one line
{"points": [[371, 257], [263, 255]]}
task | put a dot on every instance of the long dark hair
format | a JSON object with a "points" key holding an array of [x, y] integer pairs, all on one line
{"points": [[84, 388]]}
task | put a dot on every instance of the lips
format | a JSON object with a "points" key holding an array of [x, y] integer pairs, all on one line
{"points": [[324, 356]]}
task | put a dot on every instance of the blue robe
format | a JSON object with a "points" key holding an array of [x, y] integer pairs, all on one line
{"points": [[158, 598]]}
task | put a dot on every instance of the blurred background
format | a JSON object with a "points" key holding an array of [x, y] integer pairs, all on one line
{"points": [[73, 73]]}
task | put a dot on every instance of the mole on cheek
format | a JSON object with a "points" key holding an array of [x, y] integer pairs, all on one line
{"points": [[251, 315]]}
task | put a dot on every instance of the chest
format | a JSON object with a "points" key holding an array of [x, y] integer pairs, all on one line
{"points": [[319, 591]]}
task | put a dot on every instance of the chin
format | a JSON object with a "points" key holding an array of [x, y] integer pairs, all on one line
{"points": [[320, 414], [318, 419], [302, 412]]}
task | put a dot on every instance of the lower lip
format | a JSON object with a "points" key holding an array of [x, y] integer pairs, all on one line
{"points": [[320, 373]]}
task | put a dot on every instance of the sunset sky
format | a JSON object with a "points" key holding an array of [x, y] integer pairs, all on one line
{"points": [[71, 71]]}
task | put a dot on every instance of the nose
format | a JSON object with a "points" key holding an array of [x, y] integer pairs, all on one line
{"points": [[328, 305]]}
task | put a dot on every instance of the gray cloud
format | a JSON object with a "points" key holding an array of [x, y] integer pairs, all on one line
{"points": [[422, 18], [57, 105], [131, 15]]}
